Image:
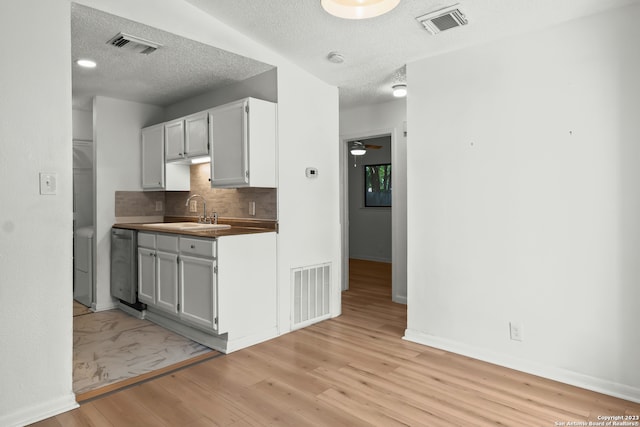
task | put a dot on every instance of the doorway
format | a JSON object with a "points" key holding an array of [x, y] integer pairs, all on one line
{"points": [[396, 240]]}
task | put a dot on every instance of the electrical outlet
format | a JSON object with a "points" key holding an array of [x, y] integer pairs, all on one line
{"points": [[515, 331], [193, 206], [252, 208], [158, 206]]}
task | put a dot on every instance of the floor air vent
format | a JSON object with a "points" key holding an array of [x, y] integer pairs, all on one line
{"points": [[311, 294], [443, 19]]}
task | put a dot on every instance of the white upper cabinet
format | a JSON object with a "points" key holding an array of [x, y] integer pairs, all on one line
{"points": [[156, 174], [153, 158], [196, 131], [174, 143], [243, 144], [187, 137]]}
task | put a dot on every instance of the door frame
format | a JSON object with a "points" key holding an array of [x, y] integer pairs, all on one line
{"points": [[398, 208]]}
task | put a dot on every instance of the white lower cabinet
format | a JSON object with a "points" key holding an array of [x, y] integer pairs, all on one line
{"points": [[167, 281], [178, 282], [197, 296], [147, 275], [219, 292]]}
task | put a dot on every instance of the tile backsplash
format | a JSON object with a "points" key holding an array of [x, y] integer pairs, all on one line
{"points": [[139, 203], [231, 203]]}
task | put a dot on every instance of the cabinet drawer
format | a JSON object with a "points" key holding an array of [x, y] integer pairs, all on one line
{"points": [[201, 247], [167, 243], [147, 240]]}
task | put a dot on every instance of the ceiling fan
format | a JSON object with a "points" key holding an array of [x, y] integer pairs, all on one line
{"points": [[358, 148]]}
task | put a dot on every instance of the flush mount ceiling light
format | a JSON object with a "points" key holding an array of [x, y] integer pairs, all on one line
{"points": [[399, 90], [86, 63], [358, 9]]}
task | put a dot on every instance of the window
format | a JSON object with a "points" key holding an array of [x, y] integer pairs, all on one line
{"points": [[377, 185]]}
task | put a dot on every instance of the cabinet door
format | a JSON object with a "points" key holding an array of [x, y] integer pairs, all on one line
{"points": [[198, 293], [196, 141], [167, 281], [153, 158], [229, 145], [147, 275], [174, 140]]}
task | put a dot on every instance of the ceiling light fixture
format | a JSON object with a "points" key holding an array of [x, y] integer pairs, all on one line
{"points": [[86, 63], [358, 9], [198, 160], [358, 149], [399, 90]]}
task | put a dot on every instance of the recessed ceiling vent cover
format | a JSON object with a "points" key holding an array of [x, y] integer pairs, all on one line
{"points": [[443, 19], [132, 43]]}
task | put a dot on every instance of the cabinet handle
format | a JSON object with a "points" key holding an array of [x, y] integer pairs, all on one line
{"points": [[193, 246]]}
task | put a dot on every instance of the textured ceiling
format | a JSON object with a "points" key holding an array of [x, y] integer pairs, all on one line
{"points": [[181, 68], [376, 49]]}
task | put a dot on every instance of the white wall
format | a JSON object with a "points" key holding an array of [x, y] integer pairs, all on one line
{"points": [[35, 383], [82, 125], [369, 227], [375, 120], [306, 135], [263, 86], [524, 202], [35, 230], [117, 167]]}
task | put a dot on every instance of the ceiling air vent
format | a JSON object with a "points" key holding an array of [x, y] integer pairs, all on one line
{"points": [[442, 19], [132, 43]]}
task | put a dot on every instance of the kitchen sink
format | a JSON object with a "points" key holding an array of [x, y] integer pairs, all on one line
{"points": [[182, 226]]}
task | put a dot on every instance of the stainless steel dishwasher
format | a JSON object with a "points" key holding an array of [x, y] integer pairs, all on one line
{"points": [[124, 265]]}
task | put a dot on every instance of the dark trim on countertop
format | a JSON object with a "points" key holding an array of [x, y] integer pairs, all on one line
{"points": [[238, 226]]}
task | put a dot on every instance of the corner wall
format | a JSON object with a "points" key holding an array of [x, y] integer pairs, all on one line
{"points": [[117, 167], [524, 202], [35, 230]]}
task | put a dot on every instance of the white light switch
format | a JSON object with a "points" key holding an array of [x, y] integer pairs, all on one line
{"points": [[48, 183]]}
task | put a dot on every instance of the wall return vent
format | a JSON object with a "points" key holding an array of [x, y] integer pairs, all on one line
{"points": [[443, 19], [133, 43]]}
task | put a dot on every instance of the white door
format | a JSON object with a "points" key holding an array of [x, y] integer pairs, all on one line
{"points": [[153, 157], [167, 281], [147, 275], [174, 140], [197, 135], [229, 149], [198, 293]]}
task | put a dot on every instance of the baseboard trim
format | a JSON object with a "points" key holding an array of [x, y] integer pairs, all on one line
{"points": [[598, 385], [40, 411], [249, 340], [216, 342], [400, 299], [104, 307]]}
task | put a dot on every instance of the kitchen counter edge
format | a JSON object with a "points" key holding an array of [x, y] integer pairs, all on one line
{"points": [[237, 228]]}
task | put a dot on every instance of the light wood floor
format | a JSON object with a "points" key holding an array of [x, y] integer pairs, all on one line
{"points": [[354, 370]]}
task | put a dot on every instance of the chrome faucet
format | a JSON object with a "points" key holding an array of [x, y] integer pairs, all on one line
{"points": [[203, 218]]}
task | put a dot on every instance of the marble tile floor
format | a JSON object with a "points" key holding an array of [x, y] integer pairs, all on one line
{"points": [[112, 346], [79, 309]]}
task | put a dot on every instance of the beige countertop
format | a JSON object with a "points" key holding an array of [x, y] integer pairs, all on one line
{"points": [[238, 226]]}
